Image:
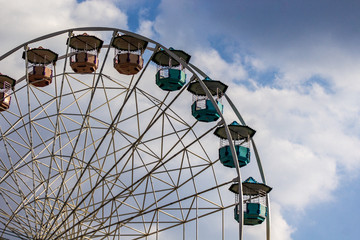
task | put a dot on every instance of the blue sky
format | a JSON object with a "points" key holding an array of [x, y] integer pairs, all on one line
{"points": [[293, 67]]}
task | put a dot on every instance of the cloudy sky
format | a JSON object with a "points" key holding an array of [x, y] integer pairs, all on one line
{"points": [[293, 68]]}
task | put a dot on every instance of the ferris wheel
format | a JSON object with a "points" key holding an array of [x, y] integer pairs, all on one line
{"points": [[107, 134]]}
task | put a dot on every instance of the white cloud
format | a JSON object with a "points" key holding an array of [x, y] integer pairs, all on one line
{"points": [[99, 13], [37, 18], [146, 29], [210, 62], [280, 230], [300, 140]]}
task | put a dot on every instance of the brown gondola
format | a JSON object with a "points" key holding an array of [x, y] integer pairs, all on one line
{"points": [[85, 53], [40, 60], [128, 56], [6, 87]]}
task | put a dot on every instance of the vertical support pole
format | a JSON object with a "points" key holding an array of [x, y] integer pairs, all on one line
{"points": [[183, 231], [197, 218], [157, 224], [26, 48], [268, 220], [58, 95], [223, 224], [240, 208]]}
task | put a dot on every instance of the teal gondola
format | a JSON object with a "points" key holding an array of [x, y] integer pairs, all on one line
{"points": [[255, 205], [241, 136], [170, 75], [202, 107]]}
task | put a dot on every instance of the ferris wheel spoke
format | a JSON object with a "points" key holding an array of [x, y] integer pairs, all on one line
{"points": [[74, 97], [138, 182], [109, 128], [167, 171], [93, 190], [107, 99], [21, 119], [184, 182], [17, 189], [89, 106], [11, 143], [70, 141], [59, 118], [35, 166], [127, 221], [207, 159], [143, 164], [15, 213], [83, 173], [30, 136], [159, 200], [13, 232]]}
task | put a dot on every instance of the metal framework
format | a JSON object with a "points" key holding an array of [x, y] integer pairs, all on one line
{"points": [[107, 156]]}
